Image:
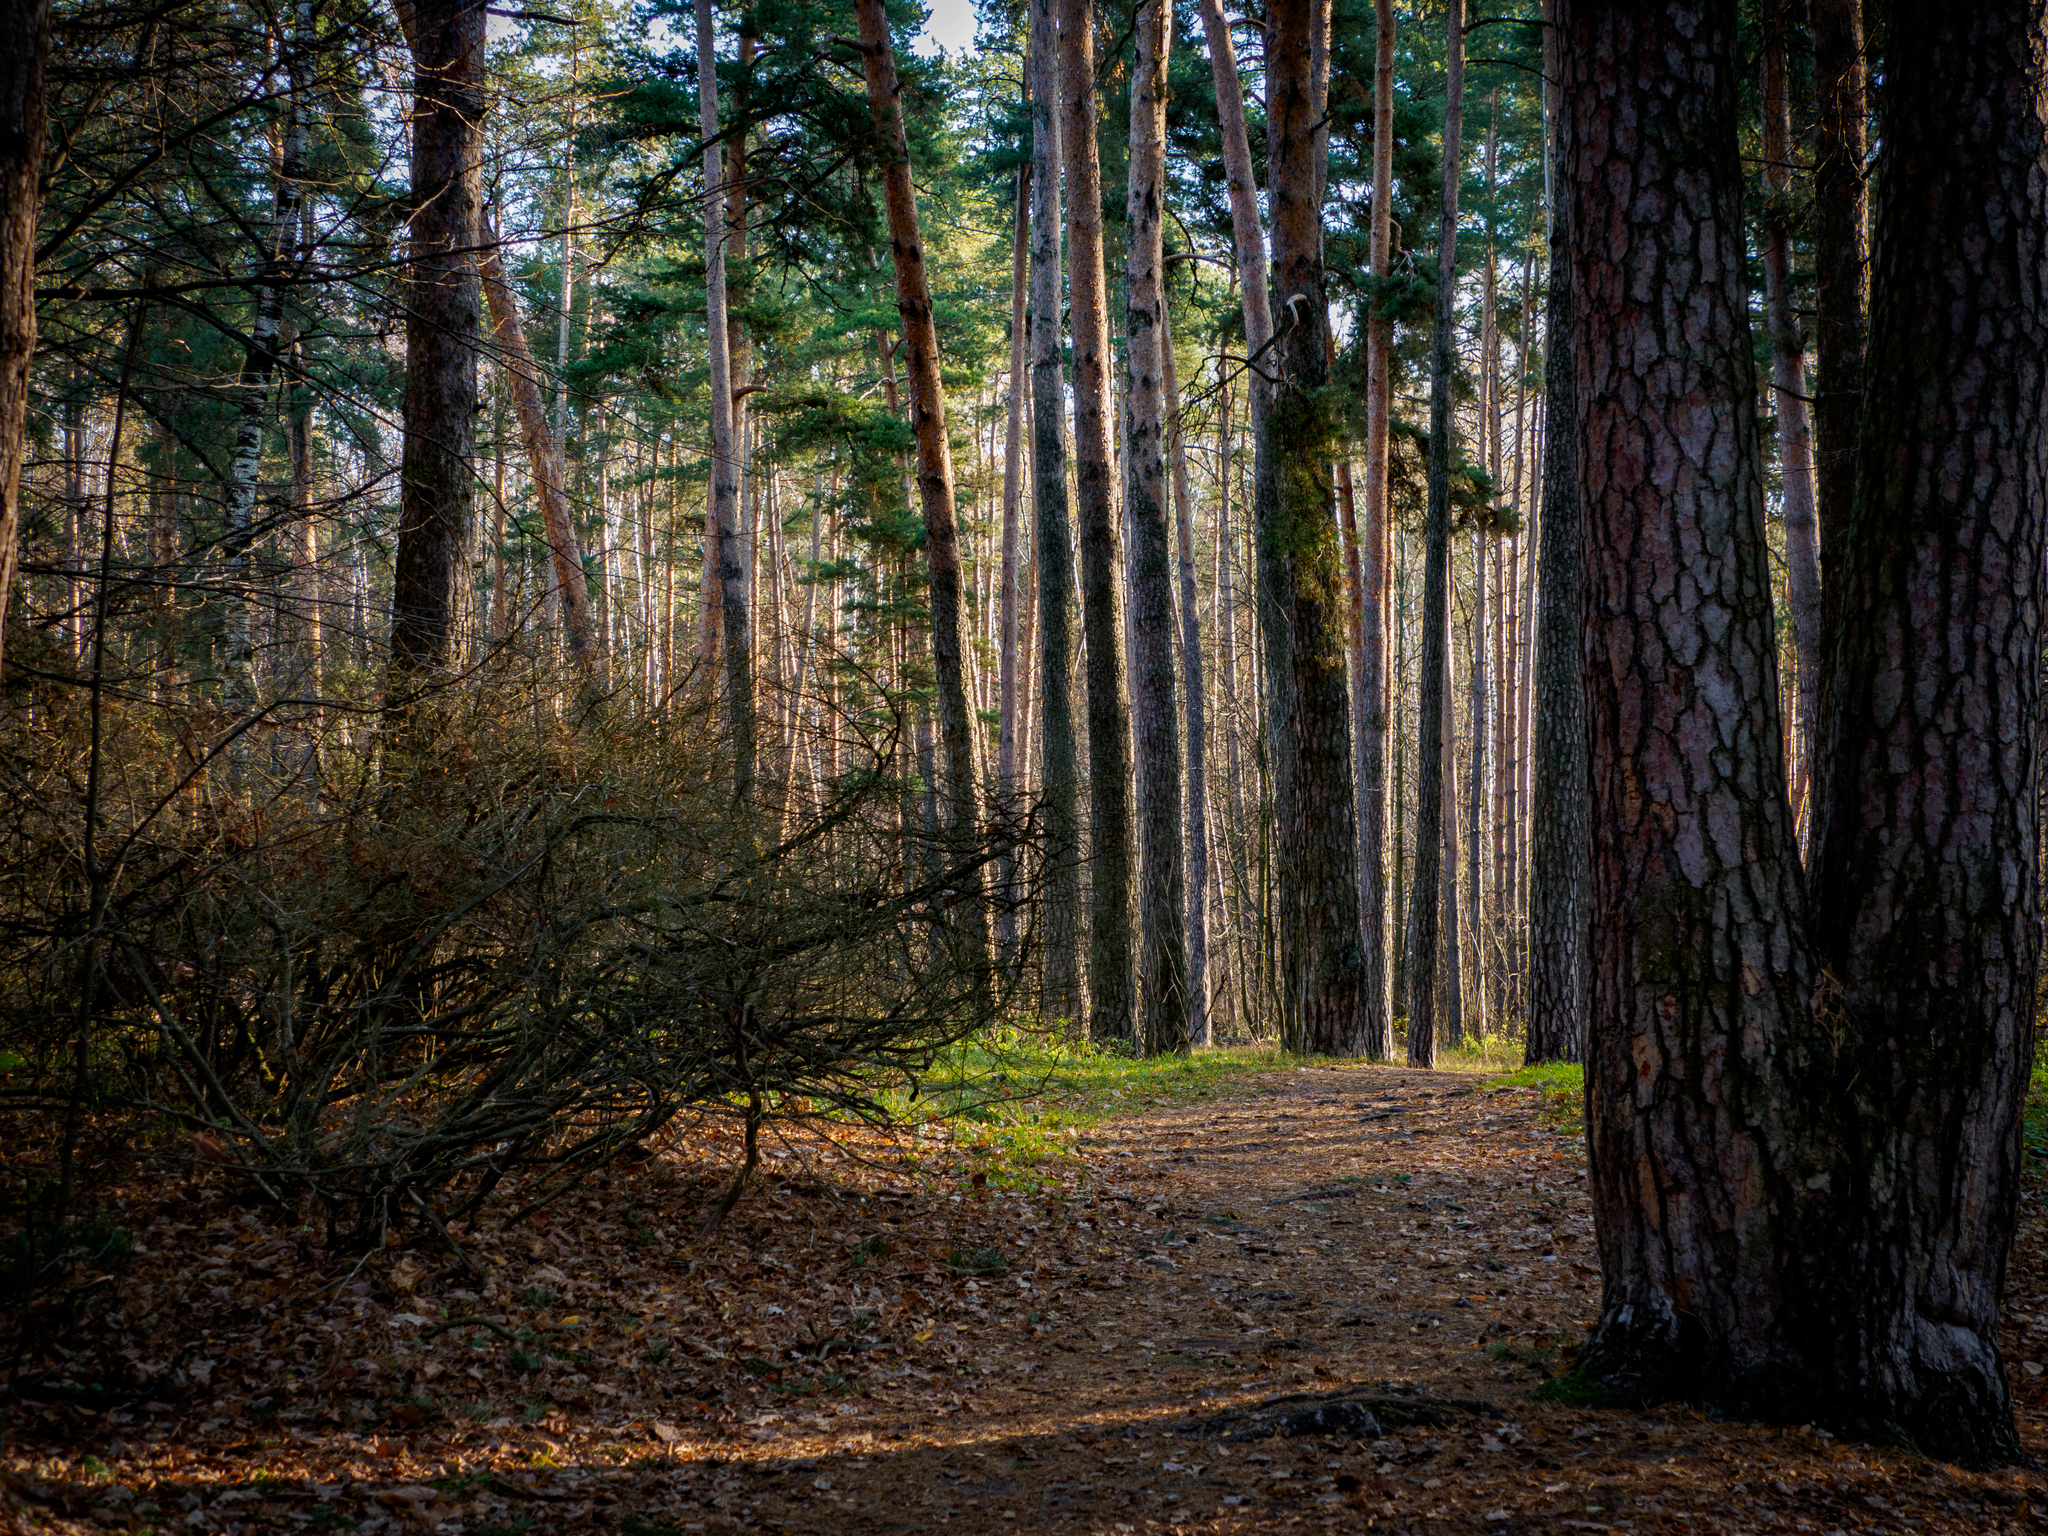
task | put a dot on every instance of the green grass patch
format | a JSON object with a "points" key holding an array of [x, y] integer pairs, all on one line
{"points": [[1563, 1089], [2034, 1129], [1016, 1102]]}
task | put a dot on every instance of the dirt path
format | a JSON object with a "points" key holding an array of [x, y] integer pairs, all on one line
{"points": [[1386, 1231], [863, 1351]]}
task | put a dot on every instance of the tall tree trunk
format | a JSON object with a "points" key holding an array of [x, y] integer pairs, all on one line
{"points": [[1427, 888], [1248, 238], [934, 465], [1475, 810], [1788, 388], [1011, 713], [725, 564], [1111, 1006], [522, 373], [1059, 774], [1701, 982], [1925, 895], [1301, 580], [1558, 808], [260, 358], [1840, 293], [441, 330], [24, 61], [1162, 892], [1196, 835], [1376, 537]]}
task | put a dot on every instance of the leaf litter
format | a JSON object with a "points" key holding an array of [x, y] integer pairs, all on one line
{"points": [[1321, 1300]]}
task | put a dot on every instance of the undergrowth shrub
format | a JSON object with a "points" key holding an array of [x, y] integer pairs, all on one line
{"points": [[375, 971]]}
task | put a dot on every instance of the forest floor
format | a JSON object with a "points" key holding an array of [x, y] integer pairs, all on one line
{"points": [[926, 1332]]}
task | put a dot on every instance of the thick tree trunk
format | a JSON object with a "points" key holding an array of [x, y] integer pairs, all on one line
{"points": [[1701, 984], [1059, 776], [1558, 831], [24, 60], [441, 330], [1427, 887], [1162, 893], [522, 373], [1111, 1005], [1196, 836], [1925, 896], [1301, 580], [1375, 535], [934, 461], [724, 559], [1788, 389]]}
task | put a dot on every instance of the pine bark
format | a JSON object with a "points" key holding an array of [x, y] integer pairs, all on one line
{"points": [[1788, 388], [1162, 892], [1196, 836], [24, 63], [1925, 885], [1558, 829], [1700, 977], [1375, 540], [1427, 886], [1111, 1005], [1301, 580], [725, 564], [934, 464], [1059, 776], [522, 373], [1013, 710], [438, 493]]}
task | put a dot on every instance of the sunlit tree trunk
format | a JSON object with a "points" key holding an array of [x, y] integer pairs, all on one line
{"points": [[24, 59], [1788, 391], [1111, 1006], [727, 631], [1059, 776], [1162, 892], [1011, 713], [522, 373], [1375, 537], [1703, 1158], [1558, 831], [1426, 896], [1196, 832]]}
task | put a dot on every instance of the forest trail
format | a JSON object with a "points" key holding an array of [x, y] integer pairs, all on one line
{"points": [[1100, 1352]]}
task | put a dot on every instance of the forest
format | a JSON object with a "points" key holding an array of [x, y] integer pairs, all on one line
{"points": [[1202, 768]]}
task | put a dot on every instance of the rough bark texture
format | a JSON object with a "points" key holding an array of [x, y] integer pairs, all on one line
{"points": [[934, 460], [441, 327], [24, 60], [1925, 896], [1248, 238], [1162, 892], [1059, 774], [1009, 655], [1700, 980], [1788, 389], [1301, 580], [1375, 538], [1197, 833], [1557, 770], [523, 374], [1111, 1005], [724, 560], [1426, 890]]}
